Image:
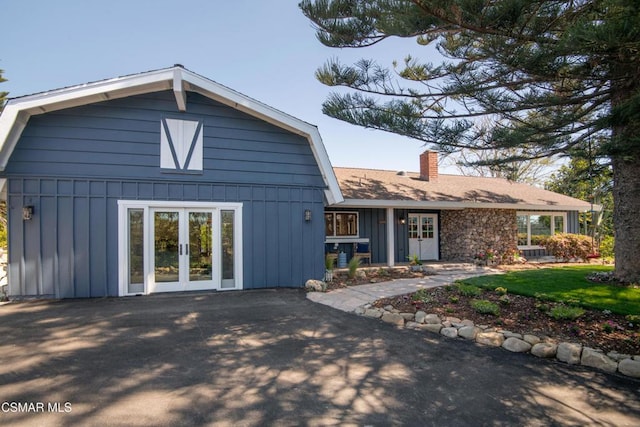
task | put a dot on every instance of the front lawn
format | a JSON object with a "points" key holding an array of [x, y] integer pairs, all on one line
{"points": [[567, 284]]}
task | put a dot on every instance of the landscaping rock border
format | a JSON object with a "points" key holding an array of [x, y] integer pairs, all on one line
{"points": [[539, 346]]}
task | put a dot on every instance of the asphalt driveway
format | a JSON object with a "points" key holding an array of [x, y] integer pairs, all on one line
{"points": [[275, 358]]}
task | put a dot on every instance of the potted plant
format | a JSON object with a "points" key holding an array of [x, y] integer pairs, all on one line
{"points": [[328, 268], [414, 262]]}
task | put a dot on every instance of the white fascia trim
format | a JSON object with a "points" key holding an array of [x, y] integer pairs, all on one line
{"points": [[414, 204]]}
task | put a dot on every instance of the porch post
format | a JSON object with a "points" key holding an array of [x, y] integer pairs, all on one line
{"points": [[391, 238]]}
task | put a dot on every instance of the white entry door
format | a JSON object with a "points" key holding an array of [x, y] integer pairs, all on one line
{"points": [[423, 236]]}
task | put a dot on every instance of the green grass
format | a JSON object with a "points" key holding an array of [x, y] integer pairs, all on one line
{"points": [[566, 284]]}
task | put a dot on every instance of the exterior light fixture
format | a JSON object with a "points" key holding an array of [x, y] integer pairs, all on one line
{"points": [[27, 212], [307, 215], [402, 220]]}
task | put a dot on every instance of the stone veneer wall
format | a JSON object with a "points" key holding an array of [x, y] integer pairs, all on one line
{"points": [[465, 233]]}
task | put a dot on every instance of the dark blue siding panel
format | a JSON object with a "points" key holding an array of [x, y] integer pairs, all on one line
{"points": [[573, 225], [66, 258], [97, 246], [80, 249], [70, 249], [15, 239], [49, 227], [32, 270], [122, 139]]}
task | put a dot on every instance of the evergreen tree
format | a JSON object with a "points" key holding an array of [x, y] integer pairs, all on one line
{"points": [[3, 95], [555, 74], [584, 180]]}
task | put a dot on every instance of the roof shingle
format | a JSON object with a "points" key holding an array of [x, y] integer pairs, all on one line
{"points": [[449, 190]]}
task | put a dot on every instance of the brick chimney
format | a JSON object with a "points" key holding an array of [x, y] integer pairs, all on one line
{"points": [[429, 166]]}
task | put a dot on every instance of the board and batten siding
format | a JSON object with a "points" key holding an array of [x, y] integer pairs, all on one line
{"points": [[73, 165]]}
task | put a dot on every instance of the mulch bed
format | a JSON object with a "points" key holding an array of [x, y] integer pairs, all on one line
{"points": [[596, 329]]}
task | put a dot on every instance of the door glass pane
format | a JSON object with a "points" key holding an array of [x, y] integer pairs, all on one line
{"points": [[136, 251], [228, 267], [200, 239], [166, 246], [427, 227], [413, 227]]}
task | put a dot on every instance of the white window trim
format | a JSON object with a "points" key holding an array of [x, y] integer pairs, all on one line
{"points": [[147, 206], [334, 236], [541, 213]]}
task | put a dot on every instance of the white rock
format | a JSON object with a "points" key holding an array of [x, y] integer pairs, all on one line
{"points": [[389, 307], [569, 352], [315, 285], [544, 349], [407, 316], [373, 312], [469, 332], [452, 319], [516, 345], [432, 327], [509, 334], [531, 339], [449, 332], [393, 318], [630, 367], [412, 325], [614, 355], [493, 339], [432, 319], [597, 359], [359, 310], [420, 315]]}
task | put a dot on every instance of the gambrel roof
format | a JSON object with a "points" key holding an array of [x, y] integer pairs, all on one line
{"points": [[17, 111]]}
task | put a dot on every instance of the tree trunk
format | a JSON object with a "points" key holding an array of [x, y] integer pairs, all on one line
{"points": [[626, 216]]}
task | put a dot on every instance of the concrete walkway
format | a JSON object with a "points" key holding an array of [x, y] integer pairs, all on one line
{"points": [[349, 298]]}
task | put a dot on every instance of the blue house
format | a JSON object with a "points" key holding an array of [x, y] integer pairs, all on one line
{"points": [[157, 182], [166, 181]]}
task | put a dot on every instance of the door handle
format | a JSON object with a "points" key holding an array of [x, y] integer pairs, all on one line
{"points": [[180, 248], [187, 249]]}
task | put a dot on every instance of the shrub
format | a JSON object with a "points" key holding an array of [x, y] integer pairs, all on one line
{"points": [[485, 307], [454, 299], [500, 290], [504, 300], [469, 290], [421, 295], [566, 312], [543, 307], [354, 263], [566, 246], [606, 247]]}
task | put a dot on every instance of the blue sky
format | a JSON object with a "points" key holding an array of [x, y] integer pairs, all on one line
{"points": [[264, 49]]}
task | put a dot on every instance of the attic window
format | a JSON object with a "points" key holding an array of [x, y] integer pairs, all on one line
{"points": [[181, 145]]}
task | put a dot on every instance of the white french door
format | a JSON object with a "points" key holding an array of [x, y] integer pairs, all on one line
{"points": [[180, 247], [423, 236], [182, 250]]}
